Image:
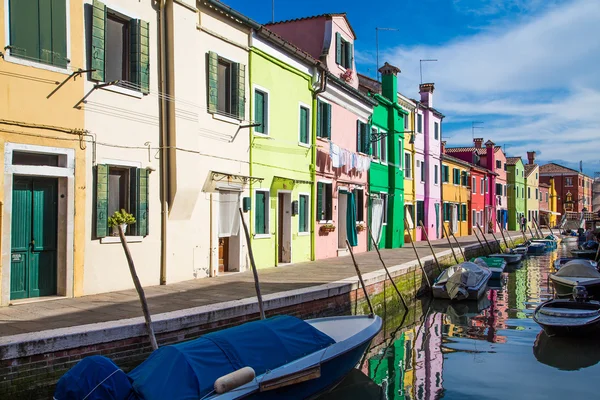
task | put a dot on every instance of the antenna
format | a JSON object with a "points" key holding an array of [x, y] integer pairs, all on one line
{"points": [[377, 47], [474, 126], [421, 67]]}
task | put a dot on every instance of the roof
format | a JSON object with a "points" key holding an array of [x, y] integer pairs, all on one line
{"points": [[233, 14], [328, 15], [529, 168], [481, 151], [513, 160], [288, 47], [372, 85], [350, 89], [553, 168], [456, 160], [544, 185]]}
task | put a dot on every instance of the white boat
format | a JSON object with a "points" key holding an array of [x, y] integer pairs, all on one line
{"points": [[462, 281]]}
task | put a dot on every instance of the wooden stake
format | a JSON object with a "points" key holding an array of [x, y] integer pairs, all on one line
{"points": [[254, 271], [417, 253], [385, 267], [449, 242], [538, 228], [458, 244], [485, 239], [139, 289], [430, 246], [362, 283], [497, 242], [480, 243], [502, 232], [531, 233]]}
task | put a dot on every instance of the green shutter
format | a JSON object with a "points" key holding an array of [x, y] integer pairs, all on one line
{"points": [[302, 214], [304, 125], [359, 139], [464, 212], [366, 139], [141, 222], [259, 210], [59, 33], [320, 187], [101, 200], [239, 90], [98, 32], [259, 111], [338, 48], [328, 121], [24, 29], [328, 202], [213, 81], [139, 60], [348, 55], [319, 118]]}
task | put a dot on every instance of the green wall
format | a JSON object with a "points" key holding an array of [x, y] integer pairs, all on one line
{"points": [[278, 157], [516, 190]]}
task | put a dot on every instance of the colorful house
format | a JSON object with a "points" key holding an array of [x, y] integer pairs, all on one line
{"points": [[570, 187], [44, 148], [478, 197], [516, 191], [456, 195], [501, 188], [341, 136], [544, 204], [281, 103], [409, 166], [532, 190]]}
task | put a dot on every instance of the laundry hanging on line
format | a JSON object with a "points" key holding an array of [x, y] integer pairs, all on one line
{"points": [[341, 157]]}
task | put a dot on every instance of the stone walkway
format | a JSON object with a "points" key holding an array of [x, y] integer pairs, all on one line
{"points": [[62, 313]]}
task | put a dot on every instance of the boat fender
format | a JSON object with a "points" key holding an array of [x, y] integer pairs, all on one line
{"points": [[234, 380]]}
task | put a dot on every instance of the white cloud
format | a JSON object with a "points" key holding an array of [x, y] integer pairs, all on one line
{"points": [[534, 81]]}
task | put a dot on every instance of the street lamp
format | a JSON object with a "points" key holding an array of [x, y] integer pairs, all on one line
{"points": [[377, 47]]}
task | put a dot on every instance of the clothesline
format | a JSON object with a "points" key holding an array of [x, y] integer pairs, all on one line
{"points": [[341, 157]]}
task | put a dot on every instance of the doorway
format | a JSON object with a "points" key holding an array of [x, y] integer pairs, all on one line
{"points": [[34, 233], [229, 231], [454, 218], [341, 219], [284, 227]]}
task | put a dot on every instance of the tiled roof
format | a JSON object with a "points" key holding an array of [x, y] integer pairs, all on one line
{"points": [[290, 48], [328, 15], [529, 168], [544, 185], [372, 85], [456, 160], [482, 151], [553, 168], [512, 160]]}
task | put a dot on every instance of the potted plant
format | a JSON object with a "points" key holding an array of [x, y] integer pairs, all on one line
{"points": [[360, 228], [122, 218], [326, 228]]}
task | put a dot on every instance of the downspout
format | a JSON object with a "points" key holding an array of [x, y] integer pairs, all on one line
{"points": [[163, 144], [313, 161], [170, 92], [413, 231]]}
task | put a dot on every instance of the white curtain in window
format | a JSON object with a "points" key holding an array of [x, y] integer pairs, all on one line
{"points": [[409, 220], [377, 218], [229, 216]]}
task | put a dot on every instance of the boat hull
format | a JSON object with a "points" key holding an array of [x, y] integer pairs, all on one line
{"points": [[564, 318], [508, 257], [562, 261], [586, 254], [439, 291], [565, 290]]}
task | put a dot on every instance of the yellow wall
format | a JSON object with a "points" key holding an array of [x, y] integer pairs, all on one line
{"points": [[456, 194], [409, 183], [24, 106]]}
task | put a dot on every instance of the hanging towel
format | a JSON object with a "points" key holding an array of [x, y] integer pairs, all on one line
{"points": [[334, 154], [229, 217], [351, 220], [376, 219]]}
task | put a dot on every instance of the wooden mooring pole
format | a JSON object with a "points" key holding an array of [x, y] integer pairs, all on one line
{"points": [[430, 246], [459, 247], [386, 269], [502, 232], [417, 254], [362, 283], [497, 242], [254, 271], [530, 232], [480, 243], [484, 238], [449, 242]]}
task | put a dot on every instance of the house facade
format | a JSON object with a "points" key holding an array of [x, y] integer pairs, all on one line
{"points": [[516, 191], [544, 205], [456, 195], [532, 190], [43, 150], [501, 187], [478, 198], [410, 177], [341, 135], [569, 184], [282, 87]]}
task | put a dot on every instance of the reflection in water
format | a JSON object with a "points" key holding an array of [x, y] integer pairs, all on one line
{"points": [[479, 349]]}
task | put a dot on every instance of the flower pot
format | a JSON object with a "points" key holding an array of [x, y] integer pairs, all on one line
{"points": [[115, 229]]}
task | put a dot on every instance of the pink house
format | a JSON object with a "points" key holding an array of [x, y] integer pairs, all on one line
{"points": [[342, 139]]}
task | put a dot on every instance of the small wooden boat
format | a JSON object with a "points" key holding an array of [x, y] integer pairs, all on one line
{"points": [[563, 260], [587, 254], [570, 239], [496, 265], [508, 257], [536, 249], [565, 353], [576, 273], [462, 281], [550, 244], [288, 358], [561, 317], [519, 249]]}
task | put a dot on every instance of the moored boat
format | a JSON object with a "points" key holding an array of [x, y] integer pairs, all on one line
{"points": [[576, 273], [287, 358], [587, 254], [495, 265], [570, 239], [550, 244], [536, 248], [563, 260], [462, 281], [508, 257]]}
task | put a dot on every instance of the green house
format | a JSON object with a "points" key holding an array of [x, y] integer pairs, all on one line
{"points": [[515, 176]]}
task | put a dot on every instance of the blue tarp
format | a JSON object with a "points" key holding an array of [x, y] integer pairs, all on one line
{"points": [[188, 370], [94, 378]]}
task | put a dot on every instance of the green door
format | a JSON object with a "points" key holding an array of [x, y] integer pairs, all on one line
{"points": [[33, 232]]}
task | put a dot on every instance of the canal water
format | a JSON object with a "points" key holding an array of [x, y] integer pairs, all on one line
{"points": [[490, 349]]}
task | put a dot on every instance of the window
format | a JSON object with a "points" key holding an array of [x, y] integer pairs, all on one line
{"points": [[323, 119], [568, 181], [546, 197], [498, 164], [363, 139], [536, 194], [226, 87], [488, 182], [482, 184], [505, 167], [324, 201], [422, 171], [528, 192], [446, 207], [384, 197], [303, 213], [24, 158], [261, 111], [435, 174], [504, 193], [409, 210], [498, 189], [463, 212], [359, 197], [474, 185], [536, 175], [304, 135], [344, 52], [456, 176], [420, 212], [120, 49], [463, 178], [407, 166], [121, 188], [474, 218], [383, 148], [375, 144], [39, 32], [445, 174], [406, 123], [436, 130], [261, 212], [420, 123]]}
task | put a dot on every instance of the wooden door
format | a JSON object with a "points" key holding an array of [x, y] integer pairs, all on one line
{"points": [[34, 234], [280, 235], [223, 254]]}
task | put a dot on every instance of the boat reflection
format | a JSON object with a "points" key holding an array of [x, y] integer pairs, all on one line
{"points": [[355, 386], [565, 353]]}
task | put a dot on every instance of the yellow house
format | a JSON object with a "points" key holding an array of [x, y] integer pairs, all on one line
{"points": [[408, 164], [455, 194], [552, 206], [42, 189], [532, 193]]}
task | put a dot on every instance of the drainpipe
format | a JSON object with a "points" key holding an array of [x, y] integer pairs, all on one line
{"points": [[163, 144], [170, 92], [313, 169]]}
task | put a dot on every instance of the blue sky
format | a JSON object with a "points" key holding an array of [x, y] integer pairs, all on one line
{"points": [[527, 68]]}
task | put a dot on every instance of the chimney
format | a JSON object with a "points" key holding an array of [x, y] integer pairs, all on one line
{"points": [[389, 82], [478, 142], [531, 157], [490, 155], [443, 147], [426, 91]]}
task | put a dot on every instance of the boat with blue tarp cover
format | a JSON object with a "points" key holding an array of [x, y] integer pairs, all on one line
{"points": [[291, 359]]}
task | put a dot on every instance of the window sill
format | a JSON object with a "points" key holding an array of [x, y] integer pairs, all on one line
{"points": [[125, 91], [261, 135], [323, 221], [262, 236], [35, 64], [224, 118], [303, 233], [306, 145], [116, 239]]}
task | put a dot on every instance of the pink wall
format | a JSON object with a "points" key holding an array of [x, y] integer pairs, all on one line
{"points": [[340, 25], [306, 34], [433, 192], [343, 134]]}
